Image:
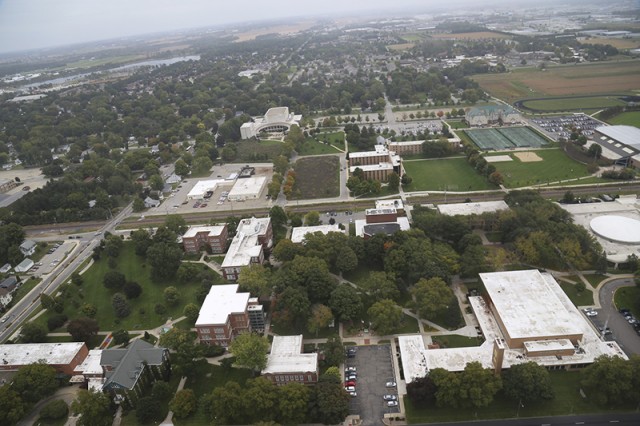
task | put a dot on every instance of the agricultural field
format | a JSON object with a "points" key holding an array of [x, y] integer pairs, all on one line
{"points": [[317, 177], [479, 35], [552, 165], [618, 43], [631, 118], [454, 174], [565, 80]]}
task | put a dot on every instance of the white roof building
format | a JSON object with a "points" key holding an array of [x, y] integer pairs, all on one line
{"points": [[247, 188], [298, 234], [277, 120], [29, 353], [528, 317], [222, 301], [395, 203], [213, 230], [467, 209], [246, 244], [202, 187], [285, 356]]}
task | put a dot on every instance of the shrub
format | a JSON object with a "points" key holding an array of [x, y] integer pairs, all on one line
{"points": [[56, 321], [212, 350], [132, 290], [160, 309], [54, 410], [120, 305]]}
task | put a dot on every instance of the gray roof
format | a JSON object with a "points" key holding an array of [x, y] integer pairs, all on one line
{"points": [[381, 228], [27, 244], [9, 283], [128, 363]]}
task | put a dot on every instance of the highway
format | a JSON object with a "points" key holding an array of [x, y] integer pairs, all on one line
{"points": [[49, 285]]}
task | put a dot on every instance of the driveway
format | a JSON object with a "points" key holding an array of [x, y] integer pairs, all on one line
{"points": [[622, 331], [65, 393]]}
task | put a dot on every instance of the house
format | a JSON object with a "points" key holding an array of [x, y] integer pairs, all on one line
{"points": [[150, 202], [253, 237], [225, 313], [7, 287], [206, 237], [24, 266], [173, 178], [28, 247], [286, 363], [5, 268], [64, 357], [131, 370]]}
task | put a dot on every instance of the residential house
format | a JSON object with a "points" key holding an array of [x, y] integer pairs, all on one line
{"points": [[28, 247], [7, 287], [24, 266]]}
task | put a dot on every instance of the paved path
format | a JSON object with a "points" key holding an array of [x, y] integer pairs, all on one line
{"points": [[67, 394], [168, 421]]}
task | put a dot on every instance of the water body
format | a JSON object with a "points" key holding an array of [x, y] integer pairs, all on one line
{"points": [[149, 63]]}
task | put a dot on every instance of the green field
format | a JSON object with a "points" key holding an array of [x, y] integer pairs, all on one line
{"points": [[251, 151], [579, 299], [631, 118], [556, 166], [317, 177], [592, 103], [453, 174], [313, 147]]}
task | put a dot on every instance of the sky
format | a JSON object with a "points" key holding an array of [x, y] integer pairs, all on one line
{"points": [[29, 24]]}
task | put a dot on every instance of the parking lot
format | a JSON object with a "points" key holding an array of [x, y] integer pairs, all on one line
{"points": [[374, 368], [54, 256]]}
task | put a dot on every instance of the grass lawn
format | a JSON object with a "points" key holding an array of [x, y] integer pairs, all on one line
{"points": [[252, 151], [289, 330], [458, 124], [453, 174], [317, 177], [409, 325], [143, 315], [579, 299], [573, 104], [631, 118], [334, 138], [627, 297], [555, 166], [313, 147], [595, 279], [568, 400], [456, 341], [494, 236]]}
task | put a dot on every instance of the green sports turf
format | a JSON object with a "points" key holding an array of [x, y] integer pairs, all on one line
{"points": [[631, 118], [523, 137], [489, 139], [453, 174]]}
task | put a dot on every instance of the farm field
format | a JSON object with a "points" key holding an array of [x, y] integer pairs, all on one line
{"points": [[317, 177], [586, 79], [591, 103], [555, 166], [618, 43], [453, 174], [631, 118]]}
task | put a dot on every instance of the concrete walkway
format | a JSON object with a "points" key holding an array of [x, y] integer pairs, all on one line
{"points": [[168, 421]]}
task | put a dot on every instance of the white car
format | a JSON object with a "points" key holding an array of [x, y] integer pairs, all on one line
{"points": [[391, 384], [350, 388], [350, 369], [390, 397], [353, 393], [591, 313], [392, 403]]}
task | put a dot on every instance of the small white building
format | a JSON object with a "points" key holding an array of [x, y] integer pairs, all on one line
{"points": [[201, 188], [150, 202], [24, 266], [28, 247], [247, 188], [298, 234]]}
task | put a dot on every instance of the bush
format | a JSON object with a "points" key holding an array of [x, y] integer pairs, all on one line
{"points": [[212, 350], [56, 321], [132, 290], [160, 309], [161, 391], [148, 410], [54, 410], [183, 404], [120, 305]]}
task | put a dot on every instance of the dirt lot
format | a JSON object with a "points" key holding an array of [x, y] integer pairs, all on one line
{"points": [[528, 157], [32, 178], [317, 177]]}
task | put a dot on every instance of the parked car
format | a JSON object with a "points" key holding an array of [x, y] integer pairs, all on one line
{"points": [[350, 388], [351, 378], [389, 397], [350, 383], [391, 384], [347, 369], [392, 403], [353, 394]]}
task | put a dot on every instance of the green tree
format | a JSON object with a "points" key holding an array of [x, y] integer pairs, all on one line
{"points": [[132, 290], [114, 280], [432, 297], [595, 150], [12, 407], [329, 403], [141, 241], [527, 382], [55, 410], [161, 391], [120, 305], [250, 351], [312, 219], [148, 410], [191, 311], [176, 223], [347, 260], [473, 388], [32, 332], [278, 216], [333, 351], [292, 306], [171, 295], [345, 302], [47, 301], [82, 329], [121, 337], [608, 381], [385, 316], [228, 404], [165, 260], [181, 168], [256, 279], [293, 400], [89, 310], [138, 204], [35, 382], [94, 409], [380, 286], [320, 318], [286, 250], [183, 403], [394, 181], [187, 354]]}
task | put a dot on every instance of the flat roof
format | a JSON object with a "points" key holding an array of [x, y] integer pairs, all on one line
{"points": [[286, 356], [221, 301], [401, 221], [201, 188], [617, 228], [527, 306], [298, 234], [378, 150], [210, 230], [395, 203], [247, 187], [466, 209], [29, 353], [372, 167], [245, 244], [91, 364], [628, 135], [381, 211]]}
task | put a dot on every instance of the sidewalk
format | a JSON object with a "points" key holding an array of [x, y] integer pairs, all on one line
{"points": [[168, 421]]}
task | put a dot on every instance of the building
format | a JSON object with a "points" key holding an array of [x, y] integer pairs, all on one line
{"points": [[415, 147], [381, 221], [203, 187], [253, 237], [492, 114], [129, 371], [225, 313], [5, 268], [468, 209], [90, 371], [376, 165], [150, 202], [620, 144], [64, 357], [248, 188], [7, 184], [7, 287], [524, 316], [276, 120], [28, 247], [286, 363], [298, 234], [395, 203], [24, 266], [212, 238]]}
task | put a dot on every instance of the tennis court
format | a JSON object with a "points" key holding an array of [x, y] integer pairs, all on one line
{"points": [[505, 138]]}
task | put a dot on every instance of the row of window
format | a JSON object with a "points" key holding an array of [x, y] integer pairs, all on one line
{"points": [[217, 330], [293, 378]]}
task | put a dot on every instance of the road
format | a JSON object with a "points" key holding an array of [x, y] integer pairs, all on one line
{"points": [[49, 285], [586, 420], [622, 331]]}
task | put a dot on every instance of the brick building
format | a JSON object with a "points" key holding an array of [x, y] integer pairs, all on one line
{"points": [[64, 357], [286, 363], [253, 237], [198, 238]]}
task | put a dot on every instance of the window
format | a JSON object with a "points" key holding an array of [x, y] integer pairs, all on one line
{"points": [[219, 330], [205, 331]]}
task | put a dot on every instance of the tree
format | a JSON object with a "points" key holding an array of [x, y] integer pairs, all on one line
{"points": [[386, 316], [171, 295], [12, 407], [148, 410], [312, 219], [164, 259], [120, 305], [47, 301], [422, 391], [183, 403], [333, 351], [320, 318], [595, 151], [292, 403], [568, 197], [292, 306], [54, 410], [608, 381], [347, 260], [285, 250], [473, 388], [187, 353], [278, 216], [228, 404], [329, 403], [527, 382], [191, 311], [89, 310], [256, 279], [141, 241], [94, 409], [381, 286], [394, 181], [121, 337], [432, 297], [202, 165], [132, 290], [345, 302], [112, 246], [35, 381], [181, 168], [176, 223], [33, 333], [83, 329], [250, 351], [114, 280]]}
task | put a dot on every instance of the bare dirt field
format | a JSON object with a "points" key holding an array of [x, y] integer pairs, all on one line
{"points": [[528, 157], [276, 29]]}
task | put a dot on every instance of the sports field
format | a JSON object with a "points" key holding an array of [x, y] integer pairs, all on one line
{"points": [[590, 103], [631, 118], [581, 79], [505, 138], [453, 174]]}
